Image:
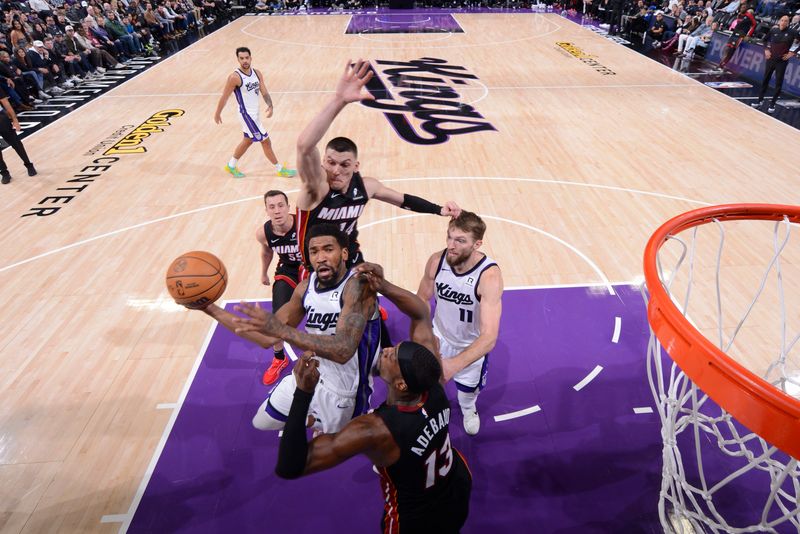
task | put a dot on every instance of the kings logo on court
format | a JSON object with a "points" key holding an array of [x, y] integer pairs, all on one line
{"points": [[422, 102]]}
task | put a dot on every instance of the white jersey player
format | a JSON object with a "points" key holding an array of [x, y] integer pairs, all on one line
{"points": [[248, 85], [468, 288], [342, 329]]}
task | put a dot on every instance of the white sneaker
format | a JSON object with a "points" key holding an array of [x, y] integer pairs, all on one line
{"points": [[75, 79], [101, 70], [37, 101], [44, 95], [472, 422], [56, 90]]}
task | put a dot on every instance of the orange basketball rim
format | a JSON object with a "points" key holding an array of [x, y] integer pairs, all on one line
{"points": [[757, 404]]}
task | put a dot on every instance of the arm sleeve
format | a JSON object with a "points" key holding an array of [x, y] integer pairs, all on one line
{"points": [[293, 449], [420, 205]]}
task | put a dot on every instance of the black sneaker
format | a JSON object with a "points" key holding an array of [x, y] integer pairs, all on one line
{"points": [[757, 104], [31, 169], [6, 177], [771, 110]]}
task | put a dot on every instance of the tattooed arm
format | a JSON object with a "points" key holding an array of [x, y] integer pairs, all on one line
{"points": [[358, 306]]}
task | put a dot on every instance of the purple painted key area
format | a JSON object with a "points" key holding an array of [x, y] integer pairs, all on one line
{"points": [[584, 463], [407, 22]]}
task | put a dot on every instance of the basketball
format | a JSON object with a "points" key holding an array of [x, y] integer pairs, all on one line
{"points": [[196, 279]]}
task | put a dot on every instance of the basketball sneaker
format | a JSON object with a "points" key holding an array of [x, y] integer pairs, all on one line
{"points": [[472, 422], [274, 371], [234, 171], [286, 172]]}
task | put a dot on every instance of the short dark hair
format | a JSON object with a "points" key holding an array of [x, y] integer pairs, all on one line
{"points": [[275, 193], [243, 49], [470, 223], [324, 229], [342, 144], [424, 370]]}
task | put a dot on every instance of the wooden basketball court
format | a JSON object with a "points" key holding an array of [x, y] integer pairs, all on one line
{"points": [[590, 147]]}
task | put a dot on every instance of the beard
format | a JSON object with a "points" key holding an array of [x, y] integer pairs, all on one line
{"points": [[458, 260], [332, 277]]}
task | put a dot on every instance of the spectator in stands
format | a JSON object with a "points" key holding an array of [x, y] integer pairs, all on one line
{"points": [[51, 28], [778, 51], [41, 73], [29, 77], [41, 8], [39, 57], [62, 22], [85, 32], [687, 42], [795, 24], [634, 17], [657, 30], [38, 33], [99, 57], [18, 35], [153, 24], [9, 126], [139, 32], [167, 27], [60, 44], [75, 13], [742, 27], [100, 33], [116, 31], [69, 64], [16, 85]]}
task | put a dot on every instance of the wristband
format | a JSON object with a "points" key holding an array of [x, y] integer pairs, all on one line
{"points": [[293, 449], [420, 205]]}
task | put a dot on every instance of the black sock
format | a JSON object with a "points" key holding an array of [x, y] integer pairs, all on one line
{"points": [[279, 354]]}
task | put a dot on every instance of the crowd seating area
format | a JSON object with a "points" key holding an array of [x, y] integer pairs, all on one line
{"points": [[48, 47]]}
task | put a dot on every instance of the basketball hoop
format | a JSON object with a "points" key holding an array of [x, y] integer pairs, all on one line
{"points": [[730, 465]]}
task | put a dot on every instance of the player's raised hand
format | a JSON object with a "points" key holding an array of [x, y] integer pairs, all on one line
{"points": [[450, 209], [257, 320], [351, 85], [372, 272], [306, 372]]}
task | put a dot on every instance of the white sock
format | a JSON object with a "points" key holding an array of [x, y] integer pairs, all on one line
{"points": [[232, 163], [278, 167], [467, 401]]}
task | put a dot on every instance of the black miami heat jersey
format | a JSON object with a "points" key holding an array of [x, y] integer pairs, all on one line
{"points": [[286, 247], [428, 488], [342, 208]]}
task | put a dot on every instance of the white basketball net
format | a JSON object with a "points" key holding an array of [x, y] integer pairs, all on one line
{"points": [[717, 475]]}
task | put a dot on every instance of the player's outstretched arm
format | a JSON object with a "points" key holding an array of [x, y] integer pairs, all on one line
{"points": [[425, 290], [291, 314], [378, 191], [490, 291], [366, 434], [228, 320], [421, 330], [357, 307], [230, 84], [309, 165], [266, 254]]}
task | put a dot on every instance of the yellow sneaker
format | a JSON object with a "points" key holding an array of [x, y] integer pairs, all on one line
{"points": [[234, 171], [286, 172]]}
